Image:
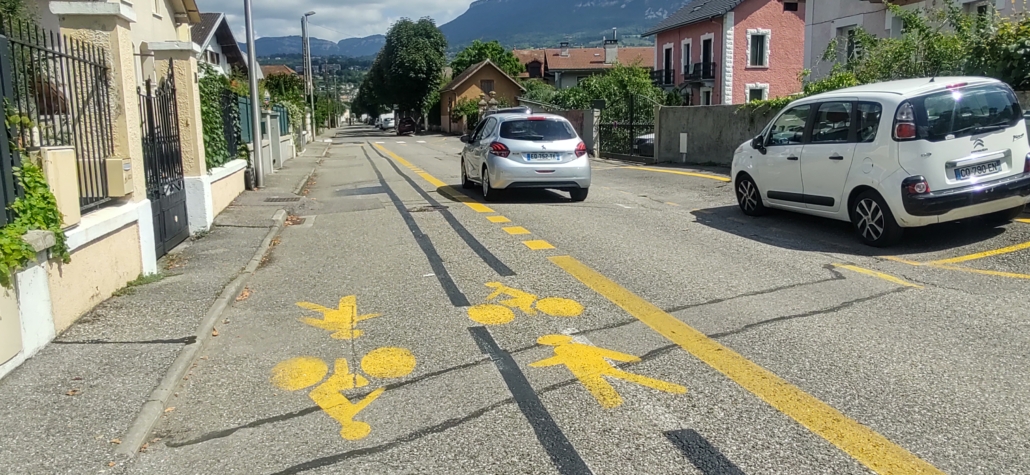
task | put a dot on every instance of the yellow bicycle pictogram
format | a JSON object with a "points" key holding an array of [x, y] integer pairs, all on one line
{"points": [[502, 311], [304, 372]]}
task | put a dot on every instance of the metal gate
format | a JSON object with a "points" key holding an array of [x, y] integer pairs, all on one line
{"points": [[627, 128], [162, 160]]}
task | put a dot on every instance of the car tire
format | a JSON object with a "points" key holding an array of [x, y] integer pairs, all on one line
{"points": [[465, 182], [873, 220], [749, 198], [489, 192], [1005, 217], [579, 194]]}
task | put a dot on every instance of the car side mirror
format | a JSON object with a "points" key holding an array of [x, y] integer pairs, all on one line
{"points": [[464, 139], [758, 143]]}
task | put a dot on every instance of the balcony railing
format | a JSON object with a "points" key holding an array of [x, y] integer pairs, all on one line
{"points": [[664, 77], [701, 71]]}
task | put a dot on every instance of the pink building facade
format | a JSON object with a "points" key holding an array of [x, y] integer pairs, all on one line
{"points": [[731, 51]]}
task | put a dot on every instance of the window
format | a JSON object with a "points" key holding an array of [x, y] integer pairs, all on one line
{"points": [[832, 123], [534, 69], [706, 97], [960, 112], [477, 135], [789, 128], [758, 48], [868, 117], [790, 6], [755, 94], [542, 130], [848, 44], [487, 85], [686, 58]]}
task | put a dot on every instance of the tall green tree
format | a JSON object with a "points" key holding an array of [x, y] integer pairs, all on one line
{"points": [[285, 88], [479, 51], [407, 71]]}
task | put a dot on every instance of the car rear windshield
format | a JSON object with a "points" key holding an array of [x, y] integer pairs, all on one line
{"points": [[545, 130], [966, 111]]}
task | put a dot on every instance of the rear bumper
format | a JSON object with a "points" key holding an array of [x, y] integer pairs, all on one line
{"points": [[506, 173], [1004, 191]]}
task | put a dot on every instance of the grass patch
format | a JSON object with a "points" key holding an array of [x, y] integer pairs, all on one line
{"points": [[142, 280]]}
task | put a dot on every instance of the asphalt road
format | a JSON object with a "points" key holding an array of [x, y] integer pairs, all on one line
{"points": [[650, 329]]}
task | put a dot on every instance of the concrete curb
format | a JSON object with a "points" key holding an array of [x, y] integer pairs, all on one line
{"points": [[154, 407], [300, 186]]}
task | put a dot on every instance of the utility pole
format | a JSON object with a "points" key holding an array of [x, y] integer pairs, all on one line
{"points": [[255, 105], [309, 78]]}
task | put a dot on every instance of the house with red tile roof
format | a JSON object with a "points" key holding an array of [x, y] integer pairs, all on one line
{"points": [[277, 69], [731, 51], [565, 66]]}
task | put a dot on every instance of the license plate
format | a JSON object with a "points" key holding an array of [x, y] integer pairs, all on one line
{"points": [[543, 157], [978, 170]]}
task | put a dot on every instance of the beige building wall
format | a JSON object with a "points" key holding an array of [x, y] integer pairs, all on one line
{"points": [[224, 191], [96, 271], [10, 325]]}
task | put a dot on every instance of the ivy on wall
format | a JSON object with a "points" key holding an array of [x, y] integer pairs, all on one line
{"points": [[212, 87], [35, 210]]}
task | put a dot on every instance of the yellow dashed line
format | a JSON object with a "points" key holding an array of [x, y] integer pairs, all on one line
{"points": [[678, 172], [860, 442], [516, 230], [981, 255], [498, 219], [878, 275], [538, 245], [475, 206]]}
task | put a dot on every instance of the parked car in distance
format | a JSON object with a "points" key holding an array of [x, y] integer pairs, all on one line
{"points": [[407, 125], [509, 151], [644, 145], [892, 155], [510, 110], [386, 124]]}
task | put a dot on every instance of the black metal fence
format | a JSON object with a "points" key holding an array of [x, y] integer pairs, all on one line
{"points": [[628, 128], [60, 97], [9, 157], [231, 126]]}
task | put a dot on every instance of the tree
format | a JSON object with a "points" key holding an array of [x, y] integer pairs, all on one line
{"points": [[538, 90], [614, 87], [285, 88], [479, 51], [407, 70]]}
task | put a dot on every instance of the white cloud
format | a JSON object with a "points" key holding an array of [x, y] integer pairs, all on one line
{"points": [[334, 20]]}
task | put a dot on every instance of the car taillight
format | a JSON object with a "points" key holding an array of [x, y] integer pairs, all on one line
{"points": [[905, 122], [1026, 164], [500, 149], [916, 185], [581, 150], [535, 118]]}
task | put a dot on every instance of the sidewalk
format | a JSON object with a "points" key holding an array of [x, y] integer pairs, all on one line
{"points": [[67, 409]]}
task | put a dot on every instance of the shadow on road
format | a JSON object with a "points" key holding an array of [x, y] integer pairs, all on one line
{"points": [[522, 196], [809, 233]]}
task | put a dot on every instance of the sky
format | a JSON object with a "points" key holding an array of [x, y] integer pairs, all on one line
{"points": [[334, 19]]}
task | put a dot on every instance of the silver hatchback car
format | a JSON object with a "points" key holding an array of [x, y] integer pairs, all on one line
{"points": [[513, 151]]}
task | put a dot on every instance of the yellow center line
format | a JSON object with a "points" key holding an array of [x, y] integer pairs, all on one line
{"points": [[439, 184], [981, 255], [860, 442], [878, 275], [1027, 221], [678, 172]]}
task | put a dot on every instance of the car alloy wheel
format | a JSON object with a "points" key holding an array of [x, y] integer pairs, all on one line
{"points": [[489, 194], [870, 223], [748, 196]]}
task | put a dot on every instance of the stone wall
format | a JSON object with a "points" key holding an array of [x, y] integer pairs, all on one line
{"points": [[713, 132]]}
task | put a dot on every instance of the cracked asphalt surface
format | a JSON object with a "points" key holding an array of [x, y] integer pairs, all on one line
{"points": [[906, 343]]}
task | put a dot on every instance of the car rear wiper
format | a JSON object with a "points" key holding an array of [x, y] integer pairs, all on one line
{"points": [[979, 129]]}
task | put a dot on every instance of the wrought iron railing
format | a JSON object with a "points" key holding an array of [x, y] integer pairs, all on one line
{"points": [[60, 96], [231, 126], [702, 71], [664, 77]]}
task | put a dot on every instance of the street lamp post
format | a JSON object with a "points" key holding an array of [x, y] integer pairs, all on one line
{"points": [[255, 105], [308, 73]]}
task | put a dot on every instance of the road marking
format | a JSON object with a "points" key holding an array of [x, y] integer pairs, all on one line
{"points": [[589, 365], [342, 321], [624, 206], [1027, 221], [475, 206], [538, 245], [498, 219], [671, 203], [677, 172], [878, 275], [984, 272], [514, 230], [860, 442], [903, 261], [981, 255], [502, 311], [399, 141], [380, 142], [420, 141]]}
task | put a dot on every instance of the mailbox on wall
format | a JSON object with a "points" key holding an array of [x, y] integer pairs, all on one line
{"points": [[119, 177]]}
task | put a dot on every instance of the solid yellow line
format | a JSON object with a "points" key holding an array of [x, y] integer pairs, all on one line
{"points": [[903, 261], [538, 245], [498, 219], [671, 203], [860, 442], [985, 272], [677, 172], [1027, 221], [514, 230], [879, 275], [477, 207], [981, 255]]}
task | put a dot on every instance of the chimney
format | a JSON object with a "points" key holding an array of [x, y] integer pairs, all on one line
{"points": [[611, 51], [564, 49]]}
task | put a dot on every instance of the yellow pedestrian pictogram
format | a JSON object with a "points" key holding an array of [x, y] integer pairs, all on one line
{"points": [[343, 321], [303, 372], [502, 312], [588, 364]]}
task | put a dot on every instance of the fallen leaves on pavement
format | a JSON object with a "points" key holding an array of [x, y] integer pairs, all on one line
{"points": [[243, 295], [214, 332], [116, 441], [73, 392]]}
